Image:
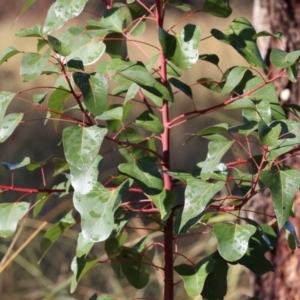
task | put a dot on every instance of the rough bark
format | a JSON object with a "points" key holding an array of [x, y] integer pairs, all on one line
{"points": [[280, 16]]}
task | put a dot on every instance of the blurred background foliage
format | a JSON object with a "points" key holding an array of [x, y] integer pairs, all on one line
{"points": [[26, 278]]}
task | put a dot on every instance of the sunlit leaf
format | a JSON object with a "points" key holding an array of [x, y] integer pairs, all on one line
{"points": [[83, 245], [82, 144], [150, 122], [9, 124], [196, 197], [67, 9], [52, 21], [94, 89], [283, 184], [8, 53], [233, 239], [97, 210], [10, 214], [35, 31], [33, 64], [282, 59], [239, 35], [268, 135]]}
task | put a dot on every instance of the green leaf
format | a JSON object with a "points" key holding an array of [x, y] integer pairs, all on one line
{"points": [[83, 245], [94, 89], [35, 31], [288, 138], [21, 164], [145, 174], [8, 53], [68, 9], [181, 50], [164, 201], [80, 266], [82, 144], [233, 239], [218, 8], [39, 98], [60, 166], [41, 199], [268, 135], [88, 49], [112, 112], [282, 59], [234, 78], [239, 35], [105, 297], [83, 181], [127, 72], [216, 150], [217, 278], [97, 211], [212, 132], [194, 275], [196, 197], [135, 266], [52, 21], [5, 99], [54, 232], [186, 89], [283, 184], [292, 72], [276, 35], [10, 214], [33, 64], [56, 104], [212, 84], [9, 124], [150, 122], [116, 46], [211, 58]]}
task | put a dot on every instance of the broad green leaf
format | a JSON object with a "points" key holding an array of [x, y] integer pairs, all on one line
{"points": [[233, 239], [292, 72], [82, 144], [33, 64], [194, 275], [288, 138], [216, 150], [164, 201], [52, 21], [8, 53], [150, 122], [239, 35], [83, 181], [218, 8], [105, 297], [135, 266], [276, 35], [212, 58], [217, 278], [41, 199], [60, 166], [88, 49], [213, 132], [68, 9], [21, 164], [186, 89], [255, 259], [234, 77], [59, 47], [145, 173], [131, 92], [97, 211], [54, 232], [126, 73], [94, 89], [9, 124], [83, 245], [10, 214], [112, 112], [116, 46], [80, 266], [39, 98], [282, 59], [212, 84], [283, 184], [56, 104], [196, 197], [35, 31], [182, 49], [268, 135]]}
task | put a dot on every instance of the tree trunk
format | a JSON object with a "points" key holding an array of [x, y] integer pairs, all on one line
{"points": [[280, 16]]}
